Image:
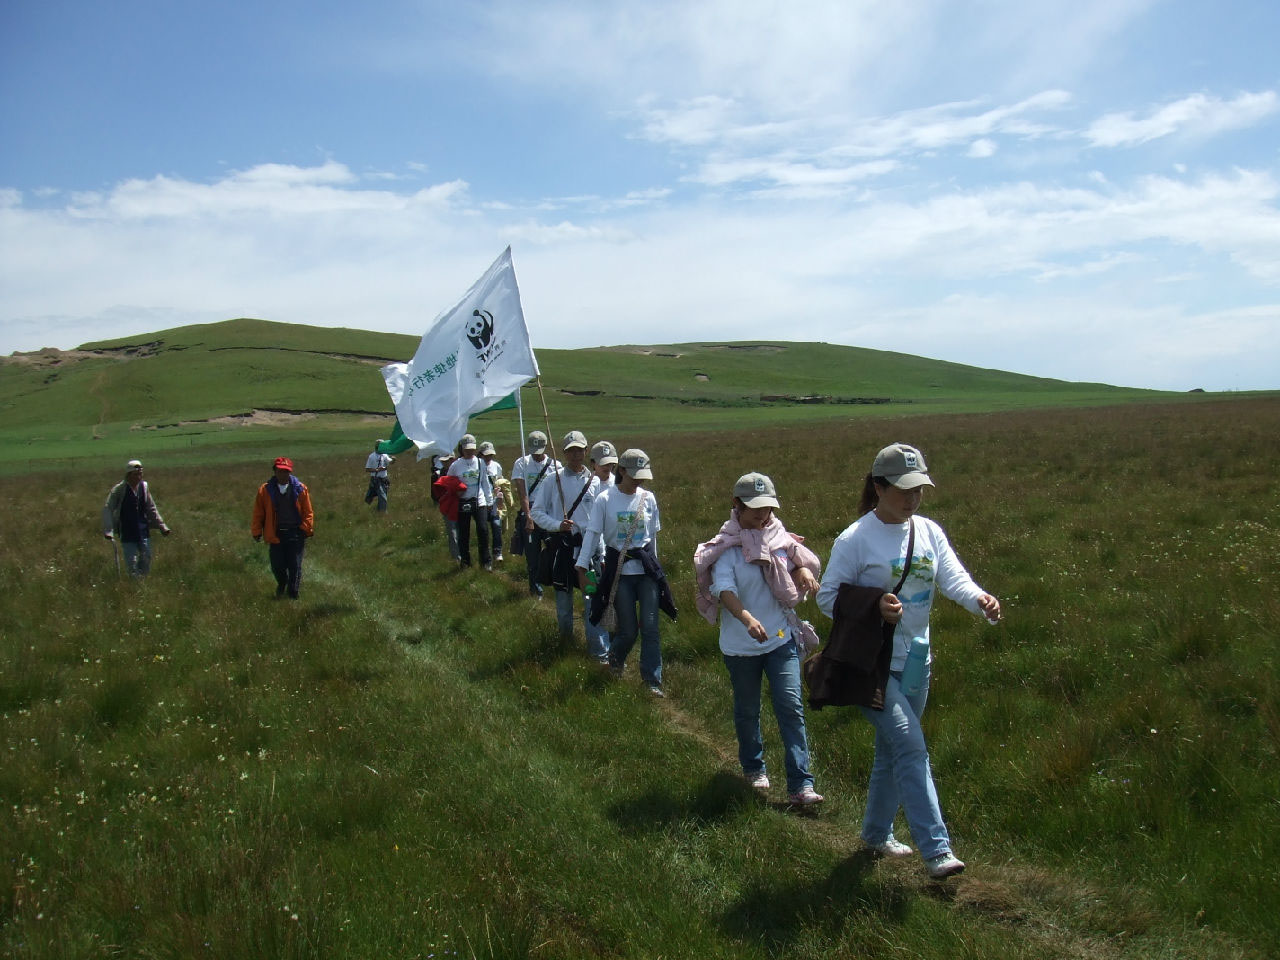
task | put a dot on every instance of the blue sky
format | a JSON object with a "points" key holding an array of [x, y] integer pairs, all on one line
{"points": [[1085, 190]]}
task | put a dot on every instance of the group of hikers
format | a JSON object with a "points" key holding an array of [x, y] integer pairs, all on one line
{"points": [[590, 524]]}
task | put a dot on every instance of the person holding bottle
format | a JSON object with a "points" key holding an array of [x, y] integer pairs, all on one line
{"points": [[873, 552]]}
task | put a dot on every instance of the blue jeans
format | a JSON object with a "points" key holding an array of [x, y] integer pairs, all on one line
{"points": [[597, 639], [900, 774], [635, 590], [782, 667], [451, 535], [137, 556], [495, 532]]}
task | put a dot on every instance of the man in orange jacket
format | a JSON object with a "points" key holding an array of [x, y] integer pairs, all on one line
{"points": [[282, 513]]}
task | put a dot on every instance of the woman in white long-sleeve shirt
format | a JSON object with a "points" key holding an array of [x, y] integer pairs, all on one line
{"points": [[628, 508], [872, 552]]}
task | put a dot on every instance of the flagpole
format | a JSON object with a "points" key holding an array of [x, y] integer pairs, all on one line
{"points": [[546, 418], [520, 419]]}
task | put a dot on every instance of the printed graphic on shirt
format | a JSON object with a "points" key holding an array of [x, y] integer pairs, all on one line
{"points": [[923, 569], [625, 519]]}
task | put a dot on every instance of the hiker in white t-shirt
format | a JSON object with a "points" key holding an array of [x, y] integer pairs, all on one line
{"points": [[496, 509], [891, 543], [625, 518], [526, 475], [561, 507], [379, 481], [473, 504]]}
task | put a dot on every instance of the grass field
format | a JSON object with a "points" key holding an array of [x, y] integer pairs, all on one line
{"points": [[409, 763]]}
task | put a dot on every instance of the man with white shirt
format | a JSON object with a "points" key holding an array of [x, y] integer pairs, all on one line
{"points": [[379, 482], [527, 475], [561, 507], [474, 502]]}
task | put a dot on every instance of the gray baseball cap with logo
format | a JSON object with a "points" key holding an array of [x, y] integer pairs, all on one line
{"points": [[604, 452], [537, 441], [903, 466], [636, 463], [756, 490]]}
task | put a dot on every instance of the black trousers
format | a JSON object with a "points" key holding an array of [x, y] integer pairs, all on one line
{"points": [[469, 513], [286, 560]]}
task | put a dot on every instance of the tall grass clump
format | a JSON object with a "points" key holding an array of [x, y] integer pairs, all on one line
{"points": [[409, 761]]}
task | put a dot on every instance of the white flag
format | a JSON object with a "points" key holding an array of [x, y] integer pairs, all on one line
{"points": [[473, 355]]}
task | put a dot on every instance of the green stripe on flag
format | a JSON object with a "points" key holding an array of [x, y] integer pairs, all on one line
{"points": [[398, 443], [506, 403]]}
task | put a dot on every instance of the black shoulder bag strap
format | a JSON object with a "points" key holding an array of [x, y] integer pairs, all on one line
{"points": [[911, 546], [581, 493], [538, 479]]}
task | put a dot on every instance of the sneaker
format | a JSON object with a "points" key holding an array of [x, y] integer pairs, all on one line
{"points": [[891, 848], [805, 796], [758, 781], [499, 558], [656, 691], [944, 865], [489, 567]]}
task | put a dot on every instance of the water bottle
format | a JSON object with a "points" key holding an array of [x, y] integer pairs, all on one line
{"points": [[917, 664], [592, 582]]}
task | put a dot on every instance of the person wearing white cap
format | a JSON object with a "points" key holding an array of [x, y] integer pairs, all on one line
{"points": [[891, 543], [375, 466], [501, 495], [527, 474], [129, 516], [473, 503], [561, 508], [625, 517], [758, 572]]}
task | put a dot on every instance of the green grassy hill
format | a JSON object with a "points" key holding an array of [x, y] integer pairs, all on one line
{"points": [[195, 388]]}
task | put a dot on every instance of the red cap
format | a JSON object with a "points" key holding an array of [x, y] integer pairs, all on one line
{"points": [[284, 463]]}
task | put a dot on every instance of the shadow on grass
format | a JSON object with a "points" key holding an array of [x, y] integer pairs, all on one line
{"points": [[776, 915], [721, 798]]}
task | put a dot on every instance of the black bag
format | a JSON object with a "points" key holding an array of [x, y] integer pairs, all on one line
{"points": [[518, 535], [466, 509], [852, 669], [555, 563]]}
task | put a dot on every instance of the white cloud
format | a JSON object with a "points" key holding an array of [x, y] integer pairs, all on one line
{"points": [[1198, 115]]}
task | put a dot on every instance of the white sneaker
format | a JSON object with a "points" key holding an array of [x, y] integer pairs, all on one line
{"points": [[891, 848], [758, 781], [944, 865], [805, 796]]}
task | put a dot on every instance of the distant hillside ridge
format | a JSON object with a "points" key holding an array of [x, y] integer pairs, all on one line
{"points": [[264, 374]]}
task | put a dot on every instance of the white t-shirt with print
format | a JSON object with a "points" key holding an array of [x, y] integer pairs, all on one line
{"points": [[872, 553], [612, 515], [472, 472]]}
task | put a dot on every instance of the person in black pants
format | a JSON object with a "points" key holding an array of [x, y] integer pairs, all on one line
{"points": [[474, 503]]}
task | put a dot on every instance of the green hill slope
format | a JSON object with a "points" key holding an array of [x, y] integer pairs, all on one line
{"points": [[198, 386]]}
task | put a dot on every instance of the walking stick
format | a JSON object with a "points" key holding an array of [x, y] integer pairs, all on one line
{"points": [[115, 550]]}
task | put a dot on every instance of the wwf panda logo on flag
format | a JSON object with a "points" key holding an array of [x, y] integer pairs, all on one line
{"points": [[480, 329]]}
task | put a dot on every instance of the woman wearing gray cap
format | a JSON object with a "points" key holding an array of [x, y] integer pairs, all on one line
{"points": [[759, 572], [891, 544], [625, 518]]}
